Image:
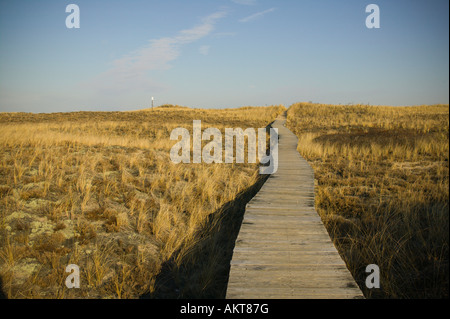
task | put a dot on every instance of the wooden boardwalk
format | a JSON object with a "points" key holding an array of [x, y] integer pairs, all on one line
{"points": [[283, 250]]}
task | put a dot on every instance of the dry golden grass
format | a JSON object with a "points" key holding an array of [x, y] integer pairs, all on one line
{"points": [[383, 184], [98, 189]]}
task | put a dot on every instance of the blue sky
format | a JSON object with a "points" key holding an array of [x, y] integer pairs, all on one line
{"points": [[221, 53]]}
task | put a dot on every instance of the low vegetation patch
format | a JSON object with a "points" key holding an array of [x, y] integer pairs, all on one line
{"points": [[382, 190], [98, 189]]}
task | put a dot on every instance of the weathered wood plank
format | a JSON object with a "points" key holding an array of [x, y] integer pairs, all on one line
{"points": [[292, 293], [283, 249]]}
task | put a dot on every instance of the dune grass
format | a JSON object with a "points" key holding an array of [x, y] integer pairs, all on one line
{"points": [[98, 189], [382, 190]]}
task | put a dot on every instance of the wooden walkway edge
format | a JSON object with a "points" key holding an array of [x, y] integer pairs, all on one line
{"points": [[283, 250]]}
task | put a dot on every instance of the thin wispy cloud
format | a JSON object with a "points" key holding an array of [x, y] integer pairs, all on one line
{"points": [[204, 49], [256, 15], [220, 35], [131, 71]]}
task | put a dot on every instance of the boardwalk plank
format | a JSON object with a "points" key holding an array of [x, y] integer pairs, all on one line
{"points": [[283, 250]]}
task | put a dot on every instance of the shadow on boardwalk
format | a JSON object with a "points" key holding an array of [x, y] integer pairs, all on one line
{"points": [[204, 272]]}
